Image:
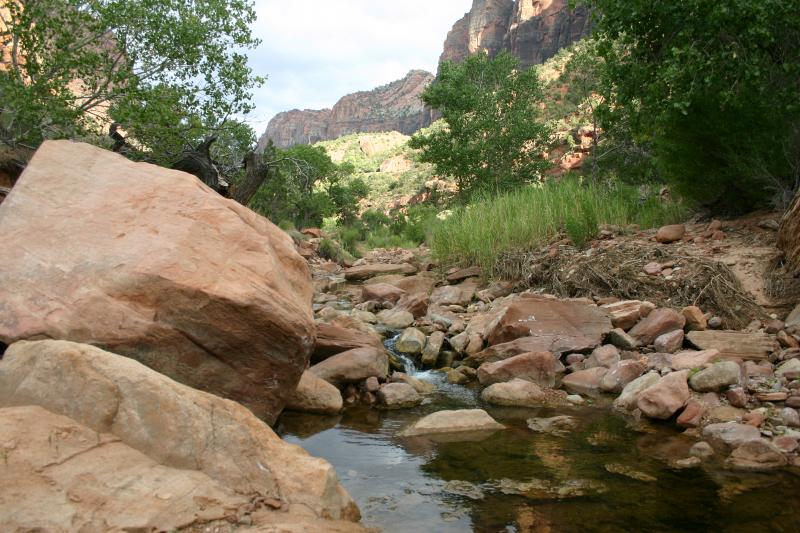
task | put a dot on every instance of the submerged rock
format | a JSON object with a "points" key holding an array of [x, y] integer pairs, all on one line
{"points": [[757, 455], [464, 488], [456, 421], [557, 425], [627, 471], [542, 489]]}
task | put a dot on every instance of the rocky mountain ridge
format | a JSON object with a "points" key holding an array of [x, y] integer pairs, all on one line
{"points": [[393, 107], [532, 30]]}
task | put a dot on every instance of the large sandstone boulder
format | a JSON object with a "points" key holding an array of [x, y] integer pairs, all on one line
{"points": [[152, 264], [558, 325], [173, 425], [333, 339]]}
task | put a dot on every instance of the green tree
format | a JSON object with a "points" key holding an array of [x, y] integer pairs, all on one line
{"points": [[711, 87], [169, 70], [493, 138], [302, 186]]}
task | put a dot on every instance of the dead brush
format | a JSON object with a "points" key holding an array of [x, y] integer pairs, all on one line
{"points": [[619, 272]]}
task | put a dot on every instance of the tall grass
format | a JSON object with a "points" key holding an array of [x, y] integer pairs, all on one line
{"points": [[533, 216]]}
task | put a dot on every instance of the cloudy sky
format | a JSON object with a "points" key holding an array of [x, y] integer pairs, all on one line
{"points": [[316, 51]]}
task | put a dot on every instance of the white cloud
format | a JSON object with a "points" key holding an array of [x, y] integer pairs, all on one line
{"points": [[316, 51]]}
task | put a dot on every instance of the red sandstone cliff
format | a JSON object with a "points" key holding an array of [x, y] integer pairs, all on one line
{"points": [[393, 107]]}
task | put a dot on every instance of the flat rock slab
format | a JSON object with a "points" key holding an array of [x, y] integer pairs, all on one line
{"points": [[456, 421], [333, 339], [735, 344], [150, 263], [557, 325], [364, 272]]}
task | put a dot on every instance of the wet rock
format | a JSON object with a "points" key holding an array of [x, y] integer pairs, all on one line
{"points": [[622, 340], [671, 233], [735, 344], [585, 381], [557, 425], [621, 374], [537, 367], [455, 421], [398, 396], [463, 488], [381, 292], [695, 319], [605, 356], [627, 471], [395, 318], [514, 393], [411, 341], [353, 366], [559, 325], [669, 342], [363, 272], [628, 399], [657, 323], [432, 349], [541, 489], [702, 450], [689, 462], [757, 455], [456, 377], [716, 377], [666, 397], [315, 395], [730, 434], [690, 360]]}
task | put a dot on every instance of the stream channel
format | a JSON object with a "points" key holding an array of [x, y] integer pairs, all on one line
{"points": [[520, 481]]}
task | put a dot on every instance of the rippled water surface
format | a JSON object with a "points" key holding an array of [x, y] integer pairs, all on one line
{"points": [[518, 480]]}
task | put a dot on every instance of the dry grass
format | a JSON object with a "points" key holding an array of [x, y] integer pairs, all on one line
{"points": [[618, 272]]}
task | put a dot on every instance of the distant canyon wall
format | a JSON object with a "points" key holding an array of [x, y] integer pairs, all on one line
{"points": [[393, 107], [532, 30]]}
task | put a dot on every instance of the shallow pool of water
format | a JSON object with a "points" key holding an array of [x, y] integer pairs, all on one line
{"points": [[520, 481]]}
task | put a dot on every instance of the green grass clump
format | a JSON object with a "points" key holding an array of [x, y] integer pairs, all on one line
{"points": [[535, 215]]}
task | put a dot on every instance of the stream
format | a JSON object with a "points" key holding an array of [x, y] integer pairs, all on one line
{"points": [[608, 474]]}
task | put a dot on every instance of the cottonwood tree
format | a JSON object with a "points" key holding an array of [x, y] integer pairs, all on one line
{"points": [[493, 135], [167, 70]]}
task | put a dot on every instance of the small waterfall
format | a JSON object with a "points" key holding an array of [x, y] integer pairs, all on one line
{"points": [[409, 364]]}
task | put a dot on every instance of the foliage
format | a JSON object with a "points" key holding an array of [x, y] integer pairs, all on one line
{"points": [[493, 137], [710, 86], [303, 186], [169, 71], [535, 215]]}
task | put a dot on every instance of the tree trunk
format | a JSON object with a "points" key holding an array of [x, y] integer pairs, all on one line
{"points": [[255, 174]]}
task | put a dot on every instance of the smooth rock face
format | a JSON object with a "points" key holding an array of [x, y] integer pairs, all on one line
{"points": [[558, 325], [716, 378], [514, 393], [585, 381], [657, 323], [363, 272], [735, 343], [536, 367], [315, 395], [664, 398], [629, 397], [151, 264], [398, 396], [457, 421], [174, 425], [353, 366]]}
